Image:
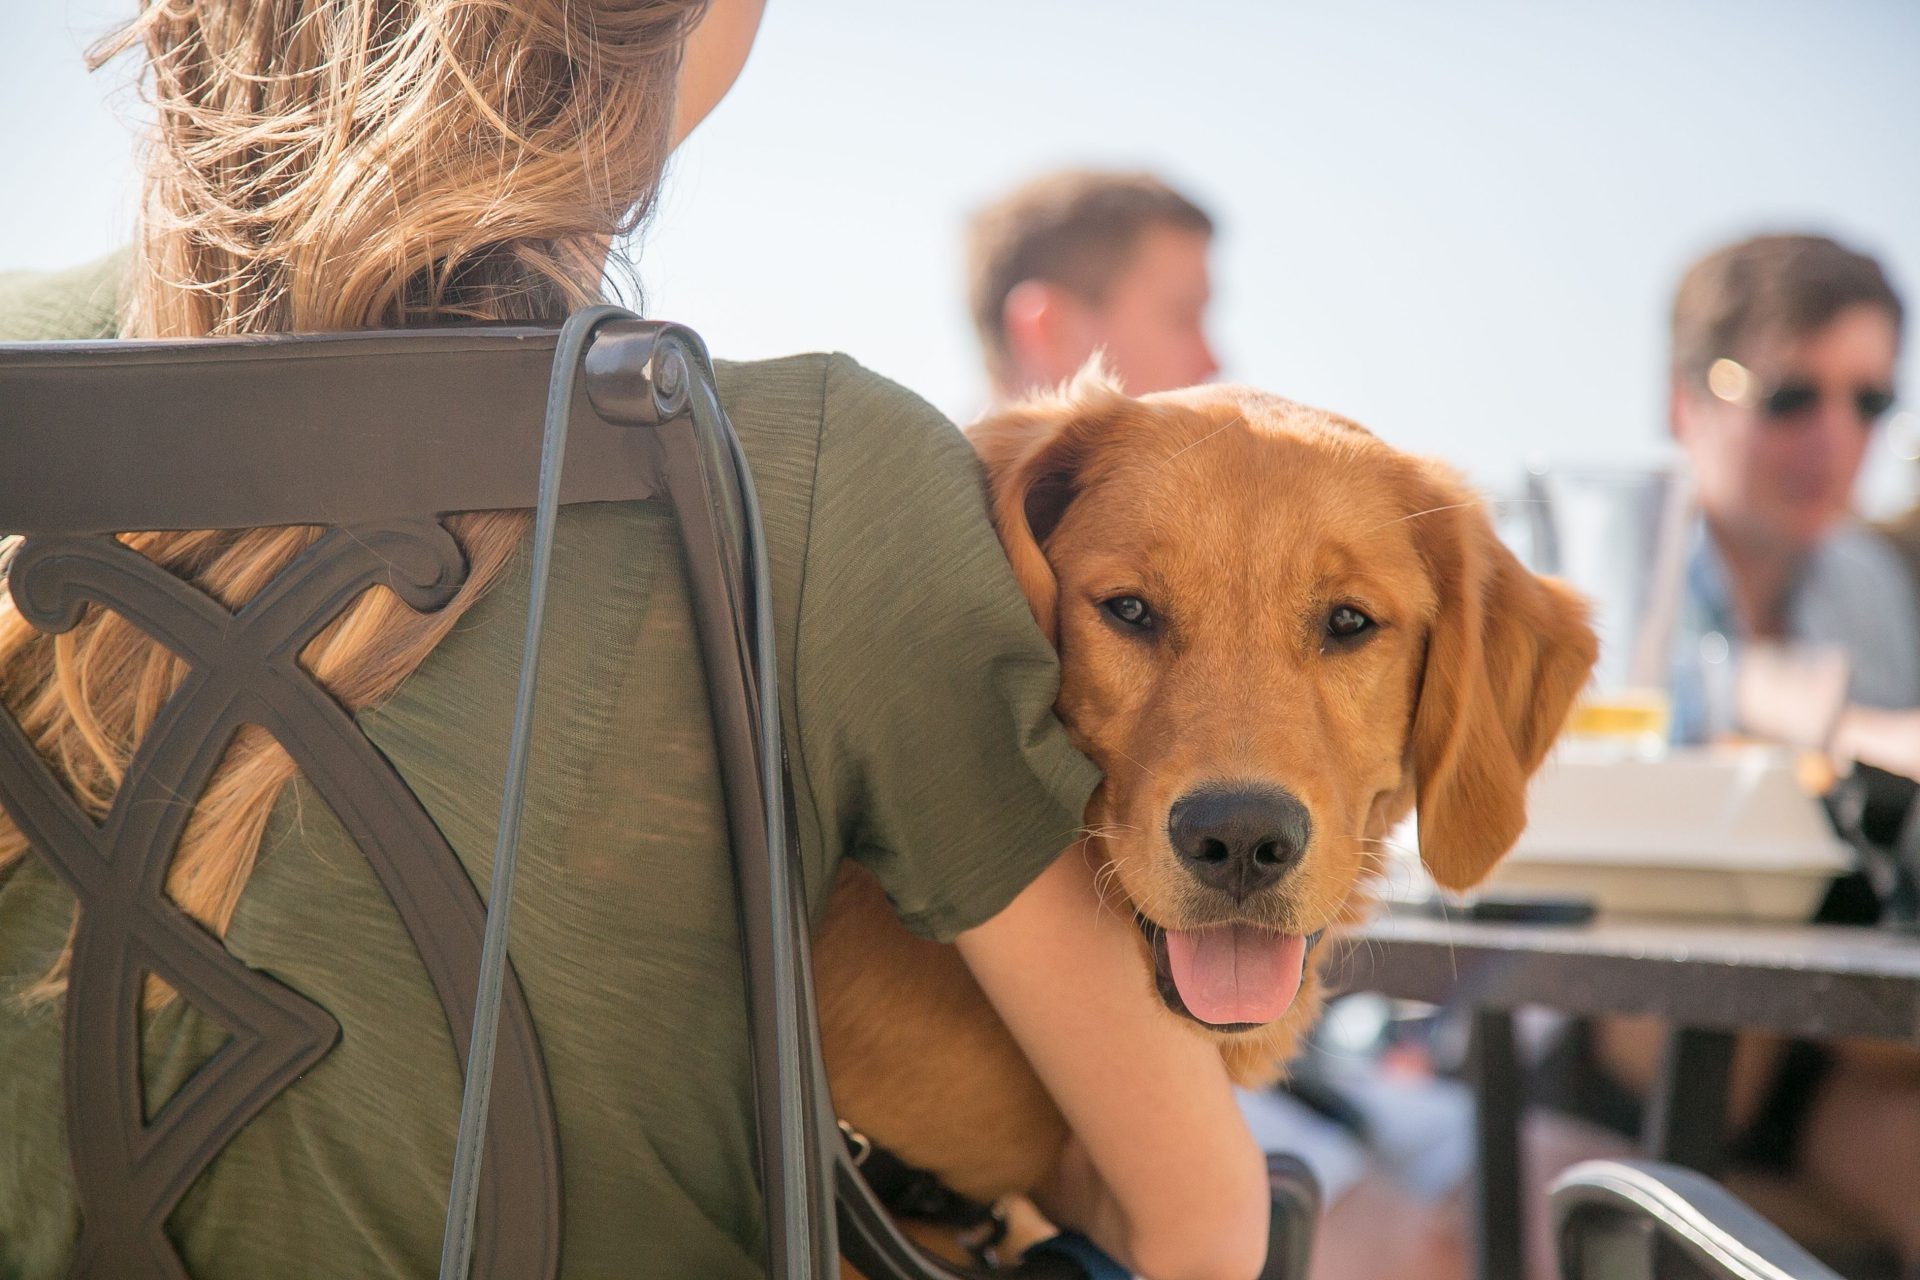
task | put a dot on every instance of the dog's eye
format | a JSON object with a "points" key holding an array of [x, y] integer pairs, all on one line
{"points": [[1347, 623], [1131, 610]]}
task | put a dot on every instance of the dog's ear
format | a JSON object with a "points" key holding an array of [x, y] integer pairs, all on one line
{"points": [[1507, 653], [1033, 452]]}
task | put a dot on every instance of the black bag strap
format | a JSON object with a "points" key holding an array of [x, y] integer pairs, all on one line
{"points": [[476, 1097], [659, 375], [654, 375], [667, 380]]}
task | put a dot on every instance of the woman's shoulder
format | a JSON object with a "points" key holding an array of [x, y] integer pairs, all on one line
{"points": [[78, 302], [827, 436], [835, 396]]}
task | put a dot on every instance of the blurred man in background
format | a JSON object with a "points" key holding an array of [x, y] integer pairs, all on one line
{"points": [[1783, 363], [1079, 261], [1784, 348]]}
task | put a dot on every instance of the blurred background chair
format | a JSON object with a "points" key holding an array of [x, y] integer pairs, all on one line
{"points": [[1646, 1220]]}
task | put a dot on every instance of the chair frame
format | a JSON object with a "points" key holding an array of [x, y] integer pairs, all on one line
{"points": [[1613, 1219], [377, 436]]}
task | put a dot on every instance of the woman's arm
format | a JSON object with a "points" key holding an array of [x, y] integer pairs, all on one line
{"points": [[1161, 1172]]}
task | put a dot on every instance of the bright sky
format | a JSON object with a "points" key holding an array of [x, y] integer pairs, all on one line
{"points": [[1458, 223]]}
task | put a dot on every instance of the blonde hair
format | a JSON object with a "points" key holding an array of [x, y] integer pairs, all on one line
{"points": [[342, 164]]}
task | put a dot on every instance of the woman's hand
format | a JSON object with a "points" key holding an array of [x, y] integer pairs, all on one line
{"points": [[1161, 1172]]}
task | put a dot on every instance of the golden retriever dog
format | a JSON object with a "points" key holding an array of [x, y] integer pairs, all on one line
{"points": [[1276, 636]]}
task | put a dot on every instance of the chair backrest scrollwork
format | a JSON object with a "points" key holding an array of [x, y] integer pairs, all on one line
{"points": [[122, 436], [130, 1171]]}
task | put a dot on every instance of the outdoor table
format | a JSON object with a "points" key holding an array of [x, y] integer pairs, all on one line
{"points": [[1710, 980]]}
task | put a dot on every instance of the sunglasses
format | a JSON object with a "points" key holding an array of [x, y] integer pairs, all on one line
{"points": [[1733, 382]]}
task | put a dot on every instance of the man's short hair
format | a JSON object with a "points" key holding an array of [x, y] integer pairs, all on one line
{"points": [[1075, 229], [1770, 286]]}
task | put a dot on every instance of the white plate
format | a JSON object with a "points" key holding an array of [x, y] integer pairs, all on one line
{"points": [[1723, 833]]}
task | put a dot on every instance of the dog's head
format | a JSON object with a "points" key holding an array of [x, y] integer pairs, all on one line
{"points": [[1275, 633]]}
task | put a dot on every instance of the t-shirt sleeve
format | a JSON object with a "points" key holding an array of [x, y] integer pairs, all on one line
{"points": [[82, 302], [925, 689]]}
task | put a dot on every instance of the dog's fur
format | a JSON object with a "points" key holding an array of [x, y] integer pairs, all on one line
{"points": [[1244, 520]]}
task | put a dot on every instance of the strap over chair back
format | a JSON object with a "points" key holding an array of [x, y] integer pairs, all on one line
{"points": [[375, 436]]}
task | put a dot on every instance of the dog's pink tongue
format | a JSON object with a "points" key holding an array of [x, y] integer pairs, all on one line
{"points": [[1235, 973]]}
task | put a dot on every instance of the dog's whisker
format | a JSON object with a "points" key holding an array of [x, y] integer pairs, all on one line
{"points": [[1453, 959], [1458, 506], [1237, 421], [1104, 876], [1106, 830], [1136, 764], [1430, 511], [1379, 864], [1104, 880]]}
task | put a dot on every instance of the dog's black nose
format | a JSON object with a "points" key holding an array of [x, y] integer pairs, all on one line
{"points": [[1239, 840]]}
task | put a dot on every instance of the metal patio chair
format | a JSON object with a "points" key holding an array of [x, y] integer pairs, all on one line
{"points": [[1649, 1220], [376, 435]]}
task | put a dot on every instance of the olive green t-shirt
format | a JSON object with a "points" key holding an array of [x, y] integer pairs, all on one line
{"points": [[916, 693]]}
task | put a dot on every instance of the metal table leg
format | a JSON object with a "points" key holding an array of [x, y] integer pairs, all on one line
{"points": [[1686, 1119], [1499, 1227]]}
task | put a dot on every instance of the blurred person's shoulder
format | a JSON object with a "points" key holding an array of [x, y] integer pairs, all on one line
{"points": [[1861, 594], [1864, 559], [1903, 534], [78, 302]]}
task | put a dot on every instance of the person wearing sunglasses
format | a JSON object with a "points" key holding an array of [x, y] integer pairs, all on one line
{"points": [[1784, 349]]}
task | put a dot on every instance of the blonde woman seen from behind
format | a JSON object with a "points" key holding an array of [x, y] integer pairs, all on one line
{"points": [[342, 164]]}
